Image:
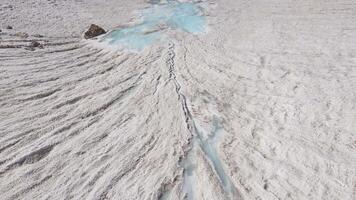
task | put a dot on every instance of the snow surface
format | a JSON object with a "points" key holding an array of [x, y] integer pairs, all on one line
{"points": [[259, 105]]}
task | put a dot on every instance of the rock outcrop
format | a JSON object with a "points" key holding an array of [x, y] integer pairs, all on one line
{"points": [[94, 30], [35, 44], [38, 36]]}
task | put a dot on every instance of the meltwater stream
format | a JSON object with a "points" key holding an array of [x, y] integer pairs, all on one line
{"points": [[207, 142], [155, 19], [202, 141]]}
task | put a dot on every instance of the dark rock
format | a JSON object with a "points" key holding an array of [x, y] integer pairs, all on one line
{"points": [[38, 36], [265, 186], [9, 27], [30, 48], [94, 31], [35, 44]]}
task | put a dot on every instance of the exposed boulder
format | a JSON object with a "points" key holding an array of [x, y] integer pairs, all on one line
{"points": [[35, 44], [94, 31], [8, 27], [38, 36]]}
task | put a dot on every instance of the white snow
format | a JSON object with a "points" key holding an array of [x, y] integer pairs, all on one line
{"points": [[261, 106]]}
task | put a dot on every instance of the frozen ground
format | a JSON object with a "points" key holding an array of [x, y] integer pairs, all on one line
{"points": [[260, 106]]}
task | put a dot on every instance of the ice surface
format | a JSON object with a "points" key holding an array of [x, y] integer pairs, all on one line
{"points": [[182, 16], [173, 15], [133, 38], [79, 121]]}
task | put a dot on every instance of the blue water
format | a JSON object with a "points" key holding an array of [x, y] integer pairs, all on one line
{"points": [[183, 16], [207, 145], [133, 38], [158, 17]]}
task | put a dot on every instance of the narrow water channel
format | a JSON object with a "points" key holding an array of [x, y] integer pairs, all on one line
{"points": [[207, 142]]}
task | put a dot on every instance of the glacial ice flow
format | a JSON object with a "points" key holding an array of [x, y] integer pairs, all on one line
{"points": [[171, 15]]}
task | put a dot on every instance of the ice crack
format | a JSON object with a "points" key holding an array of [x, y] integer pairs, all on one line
{"points": [[197, 140]]}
